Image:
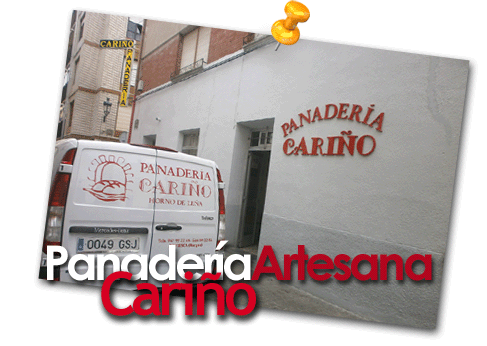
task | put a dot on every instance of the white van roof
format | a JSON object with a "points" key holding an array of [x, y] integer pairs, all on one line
{"points": [[72, 143]]}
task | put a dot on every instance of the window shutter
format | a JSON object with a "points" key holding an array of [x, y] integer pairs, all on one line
{"points": [[189, 46], [203, 44]]}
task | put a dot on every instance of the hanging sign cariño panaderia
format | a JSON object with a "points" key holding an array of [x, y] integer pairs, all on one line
{"points": [[116, 43], [126, 78], [128, 44]]}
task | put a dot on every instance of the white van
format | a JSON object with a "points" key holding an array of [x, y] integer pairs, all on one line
{"points": [[116, 198]]}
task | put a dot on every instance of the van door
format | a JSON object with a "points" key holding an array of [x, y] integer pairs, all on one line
{"points": [[110, 205], [186, 213]]}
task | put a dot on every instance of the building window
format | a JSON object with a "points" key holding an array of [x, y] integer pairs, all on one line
{"points": [[71, 113], [134, 31], [195, 46], [73, 18], [81, 29], [75, 69], [192, 52], [81, 26], [190, 143], [149, 140], [260, 138]]}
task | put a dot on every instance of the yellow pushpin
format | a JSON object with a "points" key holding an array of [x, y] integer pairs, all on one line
{"points": [[285, 31]]}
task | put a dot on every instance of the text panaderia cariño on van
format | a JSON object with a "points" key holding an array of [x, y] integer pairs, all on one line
{"points": [[194, 187]]}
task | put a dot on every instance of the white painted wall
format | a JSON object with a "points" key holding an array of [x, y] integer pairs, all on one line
{"points": [[397, 200]]}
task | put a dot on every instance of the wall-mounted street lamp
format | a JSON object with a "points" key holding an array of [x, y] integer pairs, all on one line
{"points": [[106, 108]]}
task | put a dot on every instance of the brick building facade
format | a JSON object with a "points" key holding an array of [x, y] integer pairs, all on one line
{"points": [[94, 75], [164, 49]]}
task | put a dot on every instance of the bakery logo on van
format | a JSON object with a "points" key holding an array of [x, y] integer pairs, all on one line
{"points": [[337, 145], [110, 178]]}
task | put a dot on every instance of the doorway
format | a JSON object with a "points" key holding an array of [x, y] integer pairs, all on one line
{"points": [[254, 197]]}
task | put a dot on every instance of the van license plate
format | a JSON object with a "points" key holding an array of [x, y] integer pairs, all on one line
{"points": [[129, 244]]}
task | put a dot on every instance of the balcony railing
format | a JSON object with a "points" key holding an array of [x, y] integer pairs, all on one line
{"points": [[253, 41], [194, 67]]}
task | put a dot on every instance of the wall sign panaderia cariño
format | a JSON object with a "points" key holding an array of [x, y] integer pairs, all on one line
{"points": [[335, 145]]}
